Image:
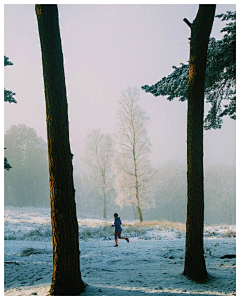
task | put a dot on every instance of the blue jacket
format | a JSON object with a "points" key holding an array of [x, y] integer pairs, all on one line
{"points": [[117, 224]]}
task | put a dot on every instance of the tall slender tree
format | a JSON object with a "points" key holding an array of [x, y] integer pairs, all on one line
{"points": [[190, 82], [201, 27], [133, 172], [98, 156], [66, 278]]}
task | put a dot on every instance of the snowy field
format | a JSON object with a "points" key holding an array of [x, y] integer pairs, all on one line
{"points": [[150, 265]]}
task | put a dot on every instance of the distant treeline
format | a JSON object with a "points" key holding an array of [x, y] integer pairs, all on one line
{"points": [[171, 196], [27, 184], [219, 195]]}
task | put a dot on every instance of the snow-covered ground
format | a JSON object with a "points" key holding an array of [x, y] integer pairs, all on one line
{"points": [[150, 265]]}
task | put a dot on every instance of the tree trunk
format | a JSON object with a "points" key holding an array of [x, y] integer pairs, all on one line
{"points": [[140, 214], [136, 181], [104, 204], [200, 31], [66, 278]]}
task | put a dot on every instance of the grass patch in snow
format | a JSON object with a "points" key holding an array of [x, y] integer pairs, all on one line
{"points": [[161, 225], [102, 229], [31, 251]]}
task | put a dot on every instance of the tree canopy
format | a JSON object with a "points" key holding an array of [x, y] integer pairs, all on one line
{"points": [[220, 82], [134, 175]]}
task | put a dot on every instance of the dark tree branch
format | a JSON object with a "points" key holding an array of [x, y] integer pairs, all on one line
{"points": [[187, 22]]}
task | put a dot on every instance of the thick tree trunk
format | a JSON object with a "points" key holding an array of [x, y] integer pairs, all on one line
{"points": [[200, 31], [66, 278]]}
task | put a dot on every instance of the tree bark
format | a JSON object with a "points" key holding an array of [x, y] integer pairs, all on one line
{"points": [[140, 214], [136, 183], [201, 27], [66, 278]]}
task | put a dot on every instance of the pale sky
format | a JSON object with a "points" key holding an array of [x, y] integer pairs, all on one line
{"points": [[106, 49]]}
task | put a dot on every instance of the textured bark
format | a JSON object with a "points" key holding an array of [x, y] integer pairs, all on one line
{"points": [[195, 267], [66, 278]]}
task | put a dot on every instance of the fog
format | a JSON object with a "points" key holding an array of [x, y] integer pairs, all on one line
{"points": [[106, 49], [27, 184]]}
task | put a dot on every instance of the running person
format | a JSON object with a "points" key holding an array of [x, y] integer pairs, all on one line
{"points": [[118, 230]]}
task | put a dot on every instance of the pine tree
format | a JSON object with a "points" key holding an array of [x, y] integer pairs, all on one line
{"points": [[220, 82], [201, 27]]}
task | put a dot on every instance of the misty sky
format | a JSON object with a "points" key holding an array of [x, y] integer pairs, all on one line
{"points": [[106, 49]]}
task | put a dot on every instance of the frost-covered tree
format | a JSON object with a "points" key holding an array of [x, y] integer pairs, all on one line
{"points": [[98, 156], [132, 168]]}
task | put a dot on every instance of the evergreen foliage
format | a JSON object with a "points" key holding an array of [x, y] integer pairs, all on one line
{"points": [[220, 82], [7, 62], [7, 165], [8, 95]]}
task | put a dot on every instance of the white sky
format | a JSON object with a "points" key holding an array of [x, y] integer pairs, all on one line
{"points": [[106, 49]]}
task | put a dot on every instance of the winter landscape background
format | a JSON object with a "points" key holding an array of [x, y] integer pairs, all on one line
{"points": [[144, 51], [150, 265], [138, 47]]}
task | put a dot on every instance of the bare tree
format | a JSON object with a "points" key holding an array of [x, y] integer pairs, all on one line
{"points": [[66, 278], [98, 156], [133, 172]]}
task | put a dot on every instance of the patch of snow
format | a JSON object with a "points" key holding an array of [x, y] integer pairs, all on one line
{"points": [[150, 265]]}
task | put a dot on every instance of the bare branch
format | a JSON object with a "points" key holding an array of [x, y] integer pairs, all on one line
{"points": [[187, 22]]}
